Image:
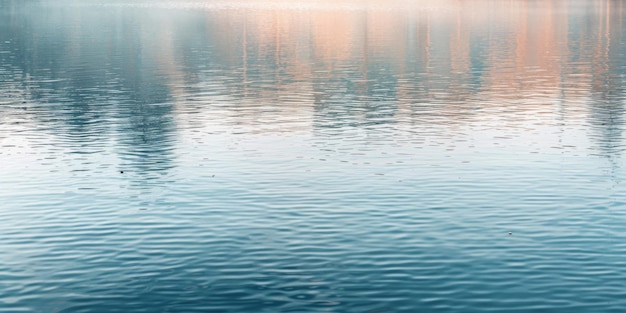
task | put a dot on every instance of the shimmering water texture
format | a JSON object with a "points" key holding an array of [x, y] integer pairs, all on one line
{"points": [[312, 156]]}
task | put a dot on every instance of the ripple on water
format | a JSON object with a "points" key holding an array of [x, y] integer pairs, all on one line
{"points": [[281, 156]]}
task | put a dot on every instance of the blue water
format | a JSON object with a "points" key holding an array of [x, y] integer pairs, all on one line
{"points": [[312, 156]]}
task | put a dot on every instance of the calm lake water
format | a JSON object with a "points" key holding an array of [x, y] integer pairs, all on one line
{"points": [[312, 156]]}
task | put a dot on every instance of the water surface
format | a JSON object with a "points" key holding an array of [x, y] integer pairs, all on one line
{"points": [[312, 156]]}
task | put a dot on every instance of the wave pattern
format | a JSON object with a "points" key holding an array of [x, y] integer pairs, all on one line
{"points": [[187, 156]]}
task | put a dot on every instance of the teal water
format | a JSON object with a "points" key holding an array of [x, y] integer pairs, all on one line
{"points": [[312, 156]]}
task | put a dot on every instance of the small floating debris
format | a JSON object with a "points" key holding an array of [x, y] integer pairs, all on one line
{"points": [[121, 172]]}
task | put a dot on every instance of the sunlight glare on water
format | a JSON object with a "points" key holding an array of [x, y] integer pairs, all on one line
{"points": [[312, 156]]}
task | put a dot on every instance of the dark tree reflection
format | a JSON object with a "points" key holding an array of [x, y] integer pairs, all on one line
{"points": [[89, 73]]}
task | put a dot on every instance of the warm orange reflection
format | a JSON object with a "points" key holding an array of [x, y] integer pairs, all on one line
{"points": [[512, 48], [456, 49], [301, 57]]}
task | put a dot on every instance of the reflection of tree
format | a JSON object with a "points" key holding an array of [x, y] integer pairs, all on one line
{"points": [[90, 77], [118, 72], [607, 86]]}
